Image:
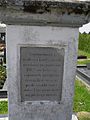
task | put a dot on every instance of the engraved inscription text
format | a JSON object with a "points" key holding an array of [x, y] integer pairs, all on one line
{"points": [[41, 73]]}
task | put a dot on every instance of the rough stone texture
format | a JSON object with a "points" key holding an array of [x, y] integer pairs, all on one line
{"points": [[88, 66], [59, 37], [19, 1], [53, 13]]}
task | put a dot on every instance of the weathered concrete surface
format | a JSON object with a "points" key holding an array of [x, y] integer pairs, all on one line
{"points": [[53, 13], [58, 37], [74, 117]]}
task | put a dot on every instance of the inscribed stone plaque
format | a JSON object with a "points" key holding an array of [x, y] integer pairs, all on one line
{"points": [[41, 73]]}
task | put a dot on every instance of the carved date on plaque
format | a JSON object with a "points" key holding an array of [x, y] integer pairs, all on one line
{"points": [[41, 73]]}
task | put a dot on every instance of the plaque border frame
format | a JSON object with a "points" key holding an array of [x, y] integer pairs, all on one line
{"points": [[18, 69]]}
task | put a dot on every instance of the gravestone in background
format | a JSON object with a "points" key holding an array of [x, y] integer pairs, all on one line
{"points": [[42, 43], [88, 66]]}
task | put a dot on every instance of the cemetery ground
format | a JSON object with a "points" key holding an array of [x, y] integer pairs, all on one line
{"points": [[83, 61], [82, 101], [84, 48], [82, 92]]}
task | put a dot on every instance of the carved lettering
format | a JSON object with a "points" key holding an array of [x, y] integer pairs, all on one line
{"points": [[41, 73]]}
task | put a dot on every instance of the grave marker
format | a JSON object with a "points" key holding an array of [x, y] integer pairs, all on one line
{"points": [[42, 45]]}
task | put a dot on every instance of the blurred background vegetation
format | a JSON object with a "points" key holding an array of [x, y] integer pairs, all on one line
{"points": [[84, 42]]}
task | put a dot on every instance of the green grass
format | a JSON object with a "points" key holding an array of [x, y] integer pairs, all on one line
{"points": [[81, 98], [84, 42], [80, 52], [3, 107], [82, 101], [84, 118], [83, 61], [2, 76], [2, 73]]}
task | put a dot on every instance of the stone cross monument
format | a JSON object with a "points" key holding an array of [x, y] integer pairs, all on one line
{"points": [[42, 44]]}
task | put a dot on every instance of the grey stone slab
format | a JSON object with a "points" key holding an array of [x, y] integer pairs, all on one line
{"points": [[70, 13], [64, 45], [41, 73], [85, 71], [74, 117], [5, 85], [88, 66]]}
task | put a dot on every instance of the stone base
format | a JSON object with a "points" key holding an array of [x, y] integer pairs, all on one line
{"points": [[74, 117]]}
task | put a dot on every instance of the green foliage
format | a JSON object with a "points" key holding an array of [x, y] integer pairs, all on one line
{"points": [[81, 98], [2, 73], [83, 61], [84, 48], [80, 52], [84, 42], [3, 107], [83, 118], [2, 76]]}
